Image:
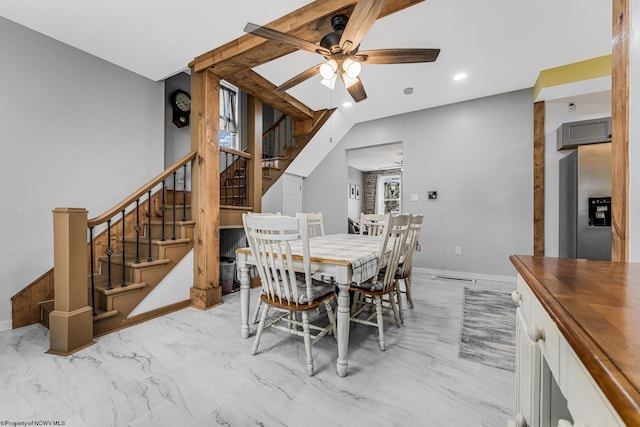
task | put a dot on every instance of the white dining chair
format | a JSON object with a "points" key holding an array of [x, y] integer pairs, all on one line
{"points": [[371, 224], [316, 229], [403, 272], [316, 223], [256, 311], [383, 283], [285, 291]]}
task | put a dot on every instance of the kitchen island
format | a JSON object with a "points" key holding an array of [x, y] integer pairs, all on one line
{"points": [[594, 309]]}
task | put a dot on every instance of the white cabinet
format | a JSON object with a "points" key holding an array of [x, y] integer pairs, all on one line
{"points": [[553, 388]]}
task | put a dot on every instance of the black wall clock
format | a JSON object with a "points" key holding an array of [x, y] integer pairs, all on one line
{"points": [[181, 105]]}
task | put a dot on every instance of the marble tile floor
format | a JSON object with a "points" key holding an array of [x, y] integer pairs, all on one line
{"points": [[192, 368]]}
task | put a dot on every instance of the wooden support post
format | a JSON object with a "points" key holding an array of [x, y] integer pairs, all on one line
{"points": [[620, 132], [71, 321], [205, 126], [538, 178], [254, 147]]}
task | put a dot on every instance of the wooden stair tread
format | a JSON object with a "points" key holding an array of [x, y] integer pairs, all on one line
{"points": [[101, 286], [167, 242], [117, 289], [101, 314], [130, 261], [166, 222]]}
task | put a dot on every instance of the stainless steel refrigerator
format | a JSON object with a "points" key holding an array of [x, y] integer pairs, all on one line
{"points": [[585, 203]]}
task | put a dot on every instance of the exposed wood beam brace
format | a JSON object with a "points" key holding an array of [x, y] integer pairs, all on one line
{"points": [[256, 85]]}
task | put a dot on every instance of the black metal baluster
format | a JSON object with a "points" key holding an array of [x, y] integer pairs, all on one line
{"points": [[234, 169], [229, 178], [291, 144], [138, 228], [123, 283], [162, 209], [232, 174], [265, 146], [109, 252], [173, 232], [93, 274], [245, 184], [149, 259], [278, 141], [236, 165], [184, 194]]}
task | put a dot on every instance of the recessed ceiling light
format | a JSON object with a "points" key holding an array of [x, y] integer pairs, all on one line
{"points": [[347, 104], [408, 90], [460, 76]]}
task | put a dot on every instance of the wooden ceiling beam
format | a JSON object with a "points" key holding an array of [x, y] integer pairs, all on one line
{"points": [[310, 22], [256, 85]]}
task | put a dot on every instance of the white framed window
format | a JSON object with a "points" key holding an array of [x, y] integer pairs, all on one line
{"points": [[388, 197], [229, 126]]}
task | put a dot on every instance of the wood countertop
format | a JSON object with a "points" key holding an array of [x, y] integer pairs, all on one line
{"points": [[596, 306]]}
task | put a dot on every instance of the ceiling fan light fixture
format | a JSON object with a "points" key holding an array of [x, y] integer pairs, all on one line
{"points": [[328, 69], [351, 68], [348, 81], [330, 82]]}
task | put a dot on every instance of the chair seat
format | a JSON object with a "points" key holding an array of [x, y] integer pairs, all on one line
{"points": [[319, 289], [373, 285], [283, 304], [400, 274]]}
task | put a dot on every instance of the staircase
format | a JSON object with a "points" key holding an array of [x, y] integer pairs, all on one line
{"points": [[281, 143], [140, 240], [146, 261]]}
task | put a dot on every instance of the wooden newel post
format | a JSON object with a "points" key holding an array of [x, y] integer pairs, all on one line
{"points": [[71, 322]]}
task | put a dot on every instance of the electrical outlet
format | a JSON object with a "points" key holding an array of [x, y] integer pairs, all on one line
{"points": [[180, 178], [458, 250], [414, 197], [433, 195]]}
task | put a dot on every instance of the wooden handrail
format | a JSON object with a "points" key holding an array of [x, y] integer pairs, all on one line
{"points": [[141, 191], [236, 152], [274, 126]]}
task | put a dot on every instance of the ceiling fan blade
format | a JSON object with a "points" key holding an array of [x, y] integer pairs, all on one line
{"points": [[307, 74], [364, 15], [397, 56], [285, 38], [356, 90]]}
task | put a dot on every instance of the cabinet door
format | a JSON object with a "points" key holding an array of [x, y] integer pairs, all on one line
{"points": [[528, 361], [595, 131]]}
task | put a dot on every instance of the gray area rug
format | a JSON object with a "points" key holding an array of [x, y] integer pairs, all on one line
{"points": [[489, 329]]}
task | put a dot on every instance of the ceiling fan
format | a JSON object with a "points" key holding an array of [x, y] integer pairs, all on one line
{"points": [[340, 49]]}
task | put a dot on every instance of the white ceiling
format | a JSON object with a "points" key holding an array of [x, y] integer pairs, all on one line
{"points": [[382, 156], [502, 45]]}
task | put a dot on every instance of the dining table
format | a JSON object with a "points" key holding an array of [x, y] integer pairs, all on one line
{"points": [[347, 258]]}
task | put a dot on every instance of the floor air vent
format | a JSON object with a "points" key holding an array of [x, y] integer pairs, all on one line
{"points": [[459, 279]]}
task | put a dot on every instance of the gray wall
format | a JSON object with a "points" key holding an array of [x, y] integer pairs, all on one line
{"points": [[177, 140], [476, 154], [77, 131], [354, 206]]}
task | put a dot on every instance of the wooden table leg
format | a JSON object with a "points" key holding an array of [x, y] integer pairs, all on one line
{"points": [[245, 287]]}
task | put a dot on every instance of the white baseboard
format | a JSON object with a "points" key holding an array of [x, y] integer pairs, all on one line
{"points": [[5, 325], [463, 275]]}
